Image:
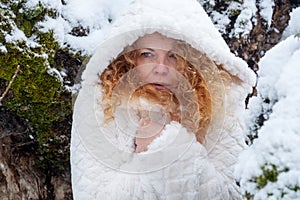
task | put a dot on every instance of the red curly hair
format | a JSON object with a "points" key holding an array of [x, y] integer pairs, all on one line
{"points": [[196, 116]]}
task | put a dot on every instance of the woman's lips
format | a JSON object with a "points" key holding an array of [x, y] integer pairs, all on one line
{"points": [[159, 85]]}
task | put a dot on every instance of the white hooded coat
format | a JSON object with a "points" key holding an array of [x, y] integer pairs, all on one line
{"points": [[175, 166]]}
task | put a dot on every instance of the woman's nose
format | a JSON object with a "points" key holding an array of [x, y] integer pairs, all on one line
{"points": [[160, 69], [161, 66]]}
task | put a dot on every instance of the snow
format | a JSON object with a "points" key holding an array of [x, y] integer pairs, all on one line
{"points": [[16, 35], [246, 18], [266, 10], [221, 21], [95, 17], [3, 48], [57, 25], [56, 73], [294, 25], [55, 4], [243, 24], [279, 138]]}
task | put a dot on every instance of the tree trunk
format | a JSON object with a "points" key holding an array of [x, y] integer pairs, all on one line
{"points": [[20, 175]]}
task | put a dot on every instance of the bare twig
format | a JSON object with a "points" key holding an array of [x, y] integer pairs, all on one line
{"points": [[4, 134], [10, 83], [23, 144]]}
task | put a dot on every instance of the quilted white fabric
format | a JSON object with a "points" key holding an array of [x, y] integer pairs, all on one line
{"points": [[175, 166]]}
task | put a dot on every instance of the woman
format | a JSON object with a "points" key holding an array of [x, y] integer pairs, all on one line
{"points": [[159, 112], [162, 76]]}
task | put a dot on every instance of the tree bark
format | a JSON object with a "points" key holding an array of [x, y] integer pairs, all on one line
{"points": [[20, 176]]}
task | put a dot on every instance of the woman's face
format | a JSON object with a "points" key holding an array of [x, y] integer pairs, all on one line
{"points": [[156, 62]]}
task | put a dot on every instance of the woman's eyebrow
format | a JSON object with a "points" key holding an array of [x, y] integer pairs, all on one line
{"points": [[150, 49]]}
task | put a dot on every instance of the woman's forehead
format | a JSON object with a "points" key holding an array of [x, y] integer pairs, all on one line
{"points": [[154, 41]]}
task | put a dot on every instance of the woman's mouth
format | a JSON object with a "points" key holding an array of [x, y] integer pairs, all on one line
{"points": [[158, 86]]}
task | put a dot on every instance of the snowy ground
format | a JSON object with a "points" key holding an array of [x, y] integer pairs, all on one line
{"points": [[278, 81]]}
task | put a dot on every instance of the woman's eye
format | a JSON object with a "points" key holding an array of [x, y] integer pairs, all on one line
{"points": [[146, 54], [172, 58], [172, 55]]}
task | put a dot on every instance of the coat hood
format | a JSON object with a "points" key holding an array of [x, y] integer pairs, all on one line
{"points": [[177, 19], [182, 20]]}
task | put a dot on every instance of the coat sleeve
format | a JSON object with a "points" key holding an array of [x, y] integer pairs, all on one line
{"points": [[93, 180], [212, 170]]}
